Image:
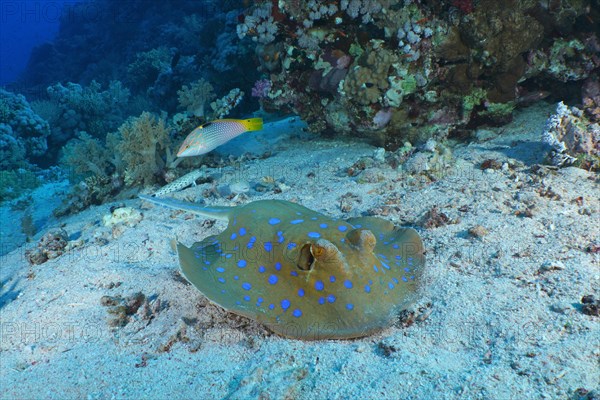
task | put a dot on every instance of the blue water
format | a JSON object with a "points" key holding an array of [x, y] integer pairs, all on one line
{"points": [[24, 25]]}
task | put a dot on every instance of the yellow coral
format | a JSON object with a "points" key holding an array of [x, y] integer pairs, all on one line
{"points": [[143, 141]]}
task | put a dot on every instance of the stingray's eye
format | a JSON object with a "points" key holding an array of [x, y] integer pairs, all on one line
{"points": [[317, 250], [306, 259]]}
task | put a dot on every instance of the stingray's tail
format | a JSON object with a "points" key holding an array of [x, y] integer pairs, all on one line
{"points": [[215, 212]]}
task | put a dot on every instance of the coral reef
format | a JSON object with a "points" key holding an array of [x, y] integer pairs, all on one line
{"points": [[23, 133], [142, 145], [87, 109], [195, 96], [406, 70], [572, 138]]}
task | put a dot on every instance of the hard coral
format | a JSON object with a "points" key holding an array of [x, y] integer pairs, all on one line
{"points": [[23, 133], [52, 245], [570, 135]]}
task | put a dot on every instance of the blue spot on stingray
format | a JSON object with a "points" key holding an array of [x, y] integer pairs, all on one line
{"points": [[233, 236], [358, 226], [252, 239], [404, 279], [228, 255], [301, 292], [298, 213], [319, 285], [350, 306], [332, 278], [247, 298], [395, 281], [291, 245], [250, 245], [278, 266], [204, 269], [381, 236], [314, 235], [314, 218], [271, 306], [236, 277], [246, 286], [382, 256], [268, 246], [261, 269], [242, 231], [331, 298], [323, 226], [385, 265], [297, 313], [391, 285], [398, 258], [242, 263], [236, 248], [396, 246], [285, 304], [259, 300], [370, 282], [293, 273], [342, 240], [222, 280], [386, 242], [234, 221], [321, 300], [238, 303], [273, 279], [280, 239], [412, 277], [220, 269], [223, 291], [206, 262], [274, 221], [198, 255], [375, 268], [406, 269], [368, 289], [342, 228], [296, 221], [348, 284]]}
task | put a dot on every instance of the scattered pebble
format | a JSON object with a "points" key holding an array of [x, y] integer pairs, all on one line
{"points": [[435, 218], [591, 305], [551, 266], [491, 164], [478, 231], [128, 216], [379, 154]]}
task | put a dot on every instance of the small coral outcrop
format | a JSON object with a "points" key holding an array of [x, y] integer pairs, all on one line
{"points": [[573, 139]]}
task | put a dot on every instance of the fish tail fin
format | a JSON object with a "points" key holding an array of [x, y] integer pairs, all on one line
{"points": [[253, 124]]}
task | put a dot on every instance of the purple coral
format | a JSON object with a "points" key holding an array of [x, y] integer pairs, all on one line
{"points": [[261, 88]]}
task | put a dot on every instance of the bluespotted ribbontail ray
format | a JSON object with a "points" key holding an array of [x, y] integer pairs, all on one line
{"points": [[301, 273]]}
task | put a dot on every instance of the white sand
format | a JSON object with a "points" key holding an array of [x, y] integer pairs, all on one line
{"points": [[499, 326]]}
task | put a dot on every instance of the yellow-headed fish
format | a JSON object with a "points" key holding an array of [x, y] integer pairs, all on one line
{"points": [[211, 135]]}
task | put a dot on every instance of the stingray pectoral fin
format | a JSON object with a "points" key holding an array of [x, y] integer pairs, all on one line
{"points": [[411, 246], [374, 224], [197, 265]]}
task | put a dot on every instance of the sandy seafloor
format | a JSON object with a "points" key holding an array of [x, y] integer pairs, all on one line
{"points": [[498, 315]]}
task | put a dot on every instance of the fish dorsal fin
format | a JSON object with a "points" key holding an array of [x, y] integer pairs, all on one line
{"points": [[216, 212]]}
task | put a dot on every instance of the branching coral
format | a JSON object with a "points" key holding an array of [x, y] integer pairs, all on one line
{"points": [[224, 105], [195, 96]]}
